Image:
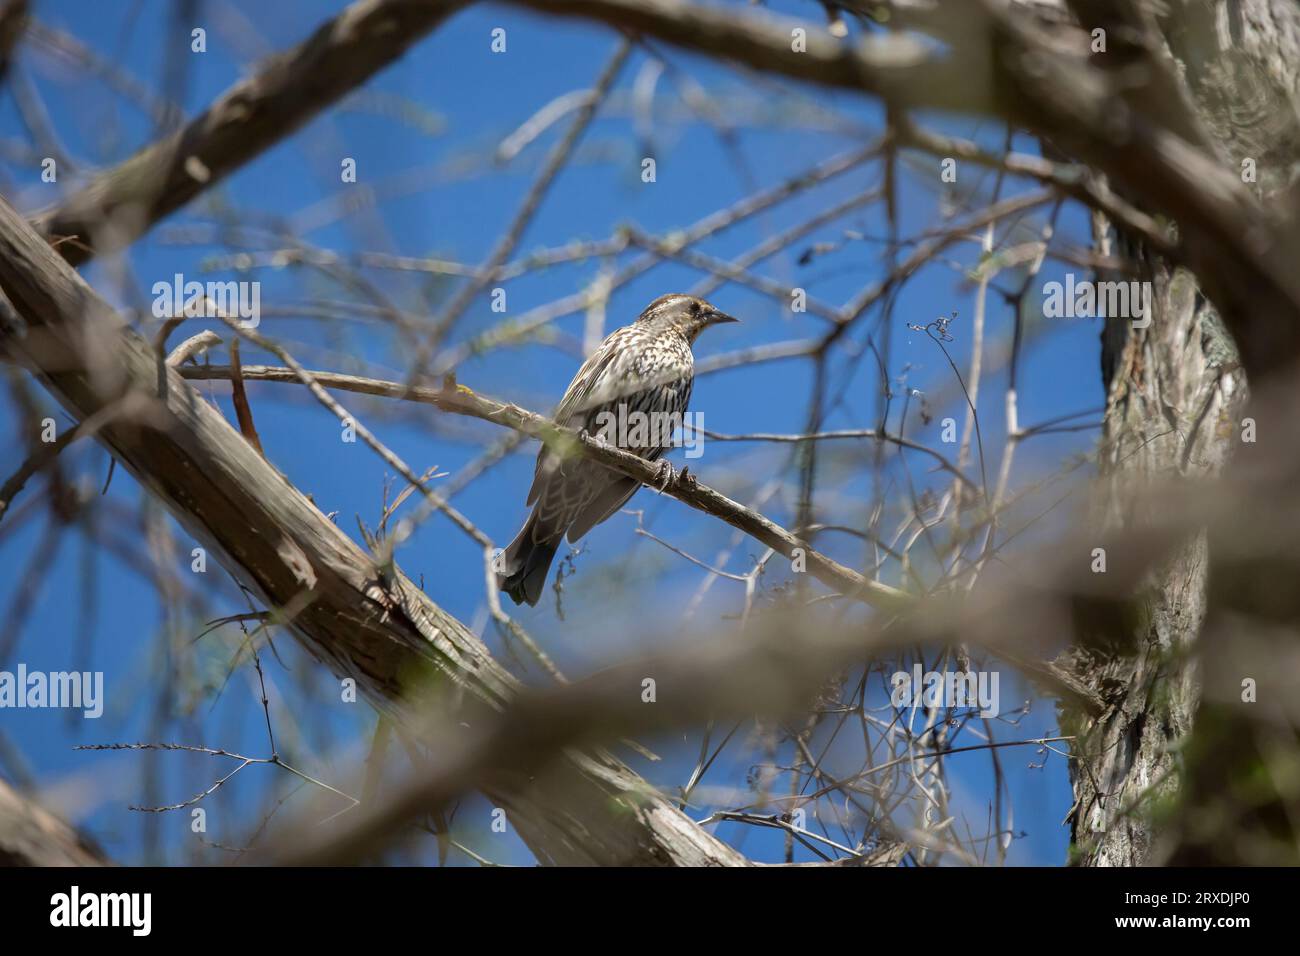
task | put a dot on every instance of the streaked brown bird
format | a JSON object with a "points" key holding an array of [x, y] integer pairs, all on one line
{"points": [[644, 367]]}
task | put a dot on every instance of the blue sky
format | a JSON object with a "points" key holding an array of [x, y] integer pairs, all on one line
{"points": [[420, 133]]}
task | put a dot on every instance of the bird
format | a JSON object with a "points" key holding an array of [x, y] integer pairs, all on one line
{"points": [[645, 367]]}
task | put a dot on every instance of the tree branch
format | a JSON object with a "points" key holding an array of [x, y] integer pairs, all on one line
{"points": [[32, 836], [461, 400], [123, 203]]}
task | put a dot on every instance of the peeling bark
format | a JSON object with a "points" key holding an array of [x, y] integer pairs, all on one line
{"points": [[1174, 399]]}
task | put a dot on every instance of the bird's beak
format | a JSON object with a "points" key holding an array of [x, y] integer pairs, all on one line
{"points": [[719, 318]]}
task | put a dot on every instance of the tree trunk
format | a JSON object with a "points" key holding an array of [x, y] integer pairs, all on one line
{"points": [[1175, 392]]}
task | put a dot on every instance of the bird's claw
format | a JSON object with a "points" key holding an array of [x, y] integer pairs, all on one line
{"points": [[666, 476], [670, 477]]}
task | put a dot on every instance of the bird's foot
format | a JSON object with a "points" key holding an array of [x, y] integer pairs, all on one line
{"points": [[667, 475]]}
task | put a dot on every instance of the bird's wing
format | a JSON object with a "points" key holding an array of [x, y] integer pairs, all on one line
{"points": [[610, 378], [597, 382], [577, 407], [614, 492], [612, 497]]}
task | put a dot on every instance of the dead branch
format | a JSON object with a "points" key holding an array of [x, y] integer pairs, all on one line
{"points": [[122, 204]]}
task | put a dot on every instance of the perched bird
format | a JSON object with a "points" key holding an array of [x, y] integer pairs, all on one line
{"points": [[644, 367]]}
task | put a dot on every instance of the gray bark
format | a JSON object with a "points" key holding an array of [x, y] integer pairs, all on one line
{"points": [[119, 206], [1174, 403], [32, 836]]}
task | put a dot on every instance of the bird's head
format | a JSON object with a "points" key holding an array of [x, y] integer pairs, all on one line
{"points": [[685, 313]]}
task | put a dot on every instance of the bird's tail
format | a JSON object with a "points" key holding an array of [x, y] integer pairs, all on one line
{"points": [[525, 564]]}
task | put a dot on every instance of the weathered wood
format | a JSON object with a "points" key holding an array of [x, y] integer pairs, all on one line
{"points": [[119, 206], [1175, 400], [32, 836]]}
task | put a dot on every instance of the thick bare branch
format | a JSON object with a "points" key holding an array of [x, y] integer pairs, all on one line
{"points": [[32, 836], [897, 68], [1041, 80], [122, 204]]}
